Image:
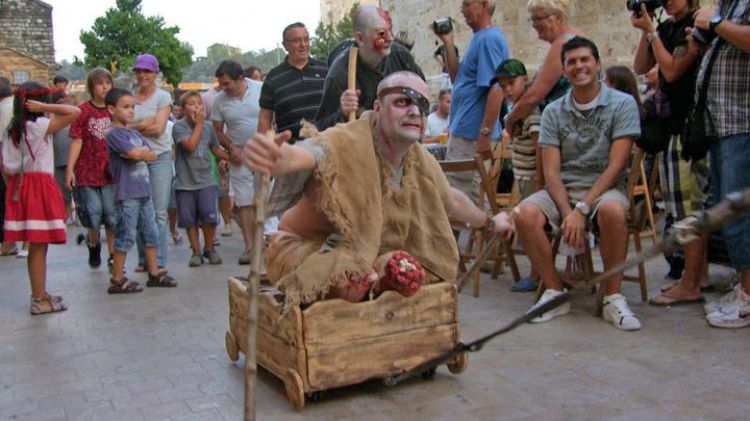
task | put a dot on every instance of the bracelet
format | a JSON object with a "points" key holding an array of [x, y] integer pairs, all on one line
{"points": [[489, 224], [651, 36]]}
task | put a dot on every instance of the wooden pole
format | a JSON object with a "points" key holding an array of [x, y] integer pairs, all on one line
{"points": [[352, 82], [251, 368]]}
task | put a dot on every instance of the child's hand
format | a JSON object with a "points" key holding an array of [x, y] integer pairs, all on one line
{"points": [[35, 106], [198, 117]]}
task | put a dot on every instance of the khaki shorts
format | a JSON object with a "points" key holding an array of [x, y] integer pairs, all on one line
{"points": [[241, 181], [543, 201]]}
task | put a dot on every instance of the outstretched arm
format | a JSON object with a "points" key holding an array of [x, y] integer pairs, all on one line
{"points": [[277, 157]]}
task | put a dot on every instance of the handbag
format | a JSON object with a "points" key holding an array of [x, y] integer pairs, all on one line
{"points": [[695, 141], [655, 134]]}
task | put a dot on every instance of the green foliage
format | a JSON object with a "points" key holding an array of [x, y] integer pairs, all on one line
{"points": [[204, 68], [124, 32], [327, 36]]}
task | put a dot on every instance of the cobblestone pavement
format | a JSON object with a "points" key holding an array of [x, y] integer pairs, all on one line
{"points": [[160, 355]]}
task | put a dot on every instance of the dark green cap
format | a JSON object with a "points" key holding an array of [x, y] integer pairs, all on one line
{"points": [[510, 68]]}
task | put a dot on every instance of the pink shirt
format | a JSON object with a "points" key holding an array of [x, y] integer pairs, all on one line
{"points": [[41, 147]]}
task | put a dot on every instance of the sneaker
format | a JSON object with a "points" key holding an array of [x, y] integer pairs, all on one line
{"points": [[80, 238], [245, 258], [95, 255], [617, 312], [732, 314], [227, 230], [725, 299], [212, 256], [22, 254], [177, 237], [195, 260], [561, 310], [524, 284]]}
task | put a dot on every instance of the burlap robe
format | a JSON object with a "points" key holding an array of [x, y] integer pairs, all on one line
{"points": [[372, 217]]}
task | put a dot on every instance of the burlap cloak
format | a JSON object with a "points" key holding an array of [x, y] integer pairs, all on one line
{"points": [[372, 217]]}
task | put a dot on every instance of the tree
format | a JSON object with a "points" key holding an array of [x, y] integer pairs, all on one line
{"points": [[124, 32], [327, 36]]}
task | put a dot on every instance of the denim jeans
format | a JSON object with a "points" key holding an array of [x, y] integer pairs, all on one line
{"points": [[730, 161], [160, 177], [135, 219], [96, 206]]}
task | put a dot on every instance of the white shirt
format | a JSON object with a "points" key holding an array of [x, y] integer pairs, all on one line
{"points": [[436, 125]]}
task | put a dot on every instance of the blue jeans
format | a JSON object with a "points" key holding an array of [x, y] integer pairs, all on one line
{"points": [[96, 206], [135, 219], [730, 160], [160, 177]]}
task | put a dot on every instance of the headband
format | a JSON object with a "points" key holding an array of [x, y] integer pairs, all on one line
{"points": [[417, 98]]}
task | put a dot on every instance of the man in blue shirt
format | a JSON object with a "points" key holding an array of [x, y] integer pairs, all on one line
{"points": [[475, 102]]}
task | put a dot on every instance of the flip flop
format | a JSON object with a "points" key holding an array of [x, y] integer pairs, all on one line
{"points": [[675, 300], [525, 284], [704, 288]]}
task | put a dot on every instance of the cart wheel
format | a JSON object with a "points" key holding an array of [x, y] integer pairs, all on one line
{"points": [[295, 390], [316, 396], [429, 374], [233, 348], [458, 365]]}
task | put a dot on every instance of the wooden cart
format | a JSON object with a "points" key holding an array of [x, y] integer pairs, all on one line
{"points": [[336, 343]]}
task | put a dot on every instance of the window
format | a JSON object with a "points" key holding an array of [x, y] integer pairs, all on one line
{"points": [[20, 76]]}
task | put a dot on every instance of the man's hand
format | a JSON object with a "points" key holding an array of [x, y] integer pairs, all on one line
{"points": [[504, 224], [349, 101], [263, 155], [484, 147], [704, 15], [643, 22], [574, 229], [70, 178], [235, 154]]}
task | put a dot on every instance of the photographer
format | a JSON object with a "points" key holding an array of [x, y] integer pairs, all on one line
{"points": [[727, 99], [475, 102], [682, 182]]}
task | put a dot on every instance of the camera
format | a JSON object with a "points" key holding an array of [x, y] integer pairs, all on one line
{"points": [[703, 37], [651, 5], [442, 26]]}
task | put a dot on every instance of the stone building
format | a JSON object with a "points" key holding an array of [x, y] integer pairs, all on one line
{"points": [[332, 11], [27, 50]]}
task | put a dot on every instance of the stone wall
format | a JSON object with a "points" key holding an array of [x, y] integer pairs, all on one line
{"points": [[26, 27], [334, 10]]}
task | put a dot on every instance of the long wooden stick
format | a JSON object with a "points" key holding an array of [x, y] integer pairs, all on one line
{"points": [[251, 368], [352, 82]]}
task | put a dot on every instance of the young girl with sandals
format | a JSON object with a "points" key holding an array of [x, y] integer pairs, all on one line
{"points": [[34, 204]]}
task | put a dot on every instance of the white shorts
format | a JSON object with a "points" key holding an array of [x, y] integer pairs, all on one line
{"points": [[241, 182]]}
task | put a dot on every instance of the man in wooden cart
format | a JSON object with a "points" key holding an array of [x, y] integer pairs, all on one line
{"points": [[365, 207]]}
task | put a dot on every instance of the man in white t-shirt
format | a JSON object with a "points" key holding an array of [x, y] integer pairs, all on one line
{"points": [[236, 107], [437, 122]]}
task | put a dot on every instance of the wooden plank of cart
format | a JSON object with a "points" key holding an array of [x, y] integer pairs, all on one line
{"points": [[335, 343]]}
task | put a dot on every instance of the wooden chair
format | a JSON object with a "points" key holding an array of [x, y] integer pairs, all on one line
{"points": [[579, 270], [475, 245], [643, 186]]}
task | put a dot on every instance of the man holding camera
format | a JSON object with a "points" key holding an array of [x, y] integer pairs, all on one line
{"points": [[377, 58], [728, 121], [475, 101]]}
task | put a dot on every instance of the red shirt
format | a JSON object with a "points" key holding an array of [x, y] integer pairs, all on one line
{"points": [[92, 167]]}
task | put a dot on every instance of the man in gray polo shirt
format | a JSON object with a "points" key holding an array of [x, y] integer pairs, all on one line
{"points": [[586, 137], [237, 108]]}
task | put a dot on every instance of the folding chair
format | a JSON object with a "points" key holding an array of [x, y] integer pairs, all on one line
{"points": [[476, 242]]}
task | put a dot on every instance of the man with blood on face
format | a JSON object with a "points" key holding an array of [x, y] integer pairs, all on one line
{"points": [[377, 58], [396, 206]]}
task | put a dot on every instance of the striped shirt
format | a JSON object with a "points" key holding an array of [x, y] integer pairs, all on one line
{"points": [[524, 148], [728, 93], [293, 94]]}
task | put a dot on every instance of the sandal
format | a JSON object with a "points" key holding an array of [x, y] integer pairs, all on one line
{"points": [[161, 280], [139, 269], [46, 305], [669, 298], [123, 286], [51, 297]]}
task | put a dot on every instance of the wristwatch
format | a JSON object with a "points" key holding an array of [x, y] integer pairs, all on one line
{"points": [[714, 22], [485, 131], [583, 208], [651, 36]]}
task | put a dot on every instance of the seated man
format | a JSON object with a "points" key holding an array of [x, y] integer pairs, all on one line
{"points": [[586, 137], [375, 191]]}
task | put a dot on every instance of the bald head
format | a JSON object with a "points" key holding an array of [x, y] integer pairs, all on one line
{"points": [[369, 17], [406, 79]]}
